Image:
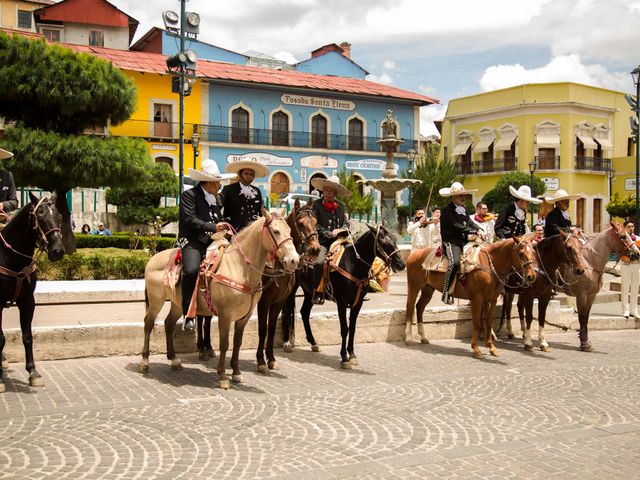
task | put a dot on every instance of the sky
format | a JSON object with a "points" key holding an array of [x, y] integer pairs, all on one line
{"points": [[443, 49]]}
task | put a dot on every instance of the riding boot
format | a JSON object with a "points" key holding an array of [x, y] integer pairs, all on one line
{"points": [[447, 298]]}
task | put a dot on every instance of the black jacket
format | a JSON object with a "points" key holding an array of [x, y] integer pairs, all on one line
{"points": [[239, 211], [8, 196], [553, 221], [508, 225], [328, 221], [454, 227], [197, 219]]}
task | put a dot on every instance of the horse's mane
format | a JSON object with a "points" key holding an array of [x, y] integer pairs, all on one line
{"points": [[497, 245], [23, 212]]}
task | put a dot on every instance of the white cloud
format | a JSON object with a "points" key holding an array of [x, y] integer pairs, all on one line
{"points": [[427, 90], [384, 78], [285, 57], [564, 68], [428, 115], [389, 65]]}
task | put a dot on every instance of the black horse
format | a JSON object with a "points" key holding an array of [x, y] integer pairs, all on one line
{"points": [[36, 224], [350, 284]]}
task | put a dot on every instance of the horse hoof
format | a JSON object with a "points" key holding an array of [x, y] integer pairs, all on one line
{"points": [[511, 336], [528, 348], [424, 341], [274, 365], [315, 348], [478, 355], [586, 348], [345, 365], [354, 361], [203, 355], [143, 368], [236, 378], [224, 384], [176, 366], [409, 343], [287, 348], [545, 348], [495, 352], [212, 353], [36, 381], [262, 368]]}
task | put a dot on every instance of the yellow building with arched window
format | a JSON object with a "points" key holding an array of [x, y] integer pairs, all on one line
{"points": [[576, 136]]}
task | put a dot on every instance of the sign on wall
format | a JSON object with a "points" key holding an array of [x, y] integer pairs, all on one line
{"points": [[317, 102], [368, 164], [164, 146], [630, 184], [552, 183], [264, 158], [318, 161]]}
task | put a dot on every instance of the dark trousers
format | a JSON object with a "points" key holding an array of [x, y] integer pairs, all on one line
{"points": [[453, 252], [191, 259]]}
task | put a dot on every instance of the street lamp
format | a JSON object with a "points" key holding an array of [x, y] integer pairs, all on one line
{"points": [[195, 143], [636, 81], [611, 173], [411, 156], [532, 169]]}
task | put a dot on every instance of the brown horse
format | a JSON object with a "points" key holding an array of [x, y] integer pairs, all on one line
{"points": [[234, 288], [302, 222], [553, 252], [481, 286]]}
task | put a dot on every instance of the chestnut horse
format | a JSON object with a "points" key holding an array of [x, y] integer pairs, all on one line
{"points": [[553, 252], [234, 288], [482, 286]]}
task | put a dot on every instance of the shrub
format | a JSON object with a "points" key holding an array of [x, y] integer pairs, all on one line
{"points": [[93, 267], [121, 240]]}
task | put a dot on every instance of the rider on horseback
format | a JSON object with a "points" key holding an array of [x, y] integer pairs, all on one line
{"points": [[243, 201], [512, 221], [8, 198], [559, 217], [455, 226]]}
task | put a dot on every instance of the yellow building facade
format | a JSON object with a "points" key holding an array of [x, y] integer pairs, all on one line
{"points": [[576, 136], [18, 14]]}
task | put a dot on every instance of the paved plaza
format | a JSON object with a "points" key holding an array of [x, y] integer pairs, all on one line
{"points": [[427, 411]]}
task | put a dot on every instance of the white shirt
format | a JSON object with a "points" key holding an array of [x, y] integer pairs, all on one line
{"points": [[433, 235], [418, 235]]}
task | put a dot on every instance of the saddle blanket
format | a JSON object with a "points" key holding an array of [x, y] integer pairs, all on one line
{"points": [[468, 260]]}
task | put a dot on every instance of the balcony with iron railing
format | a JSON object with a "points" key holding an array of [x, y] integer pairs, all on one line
{"points": [[596, 164], [169, 132], [548, 162], [496, 165]]}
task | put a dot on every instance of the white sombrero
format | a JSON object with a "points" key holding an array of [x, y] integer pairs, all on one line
{"points": [[523, 193], [5, 154], [332, 182], [209, 172], [456, 189], [260, 169], [562, 195]]}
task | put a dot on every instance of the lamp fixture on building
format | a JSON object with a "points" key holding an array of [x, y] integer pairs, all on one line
{"points": [[411, 156], [533, 165], [635, 74]]}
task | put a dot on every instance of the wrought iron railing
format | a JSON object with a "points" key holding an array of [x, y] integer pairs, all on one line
{"points": [[593, 163], [548, 162], [492, 165]]}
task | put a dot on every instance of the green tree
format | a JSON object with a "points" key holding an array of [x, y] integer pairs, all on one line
{"points": [[140, 202], [356, 203], [622, 207], [497, 198], [51, 95]]}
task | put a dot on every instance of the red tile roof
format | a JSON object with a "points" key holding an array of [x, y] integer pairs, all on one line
{"points": [[155, 63]]}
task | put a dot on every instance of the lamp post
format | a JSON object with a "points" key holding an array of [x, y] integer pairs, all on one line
{"points": [[195, 143], [611, 173], [411, 156], [532, 169], [636, 81]]}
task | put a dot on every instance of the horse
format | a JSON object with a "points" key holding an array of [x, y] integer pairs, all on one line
{"points": [[302, 222], [349, 281], [481, 286], [563, 249], [37, 224], [585, 287], [233, 289]]}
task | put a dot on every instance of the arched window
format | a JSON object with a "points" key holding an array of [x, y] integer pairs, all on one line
{"points": [[240, 126], [319, 132], [355, 134], [280, 129]]}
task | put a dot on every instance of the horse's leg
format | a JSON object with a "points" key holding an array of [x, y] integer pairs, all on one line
{"points": [[412, 294], [2, 340], [224, 325], [353, 319], [169, 326], [211, 353], [476, 315], [584, 304], [525, 311], [305, 313], [488, 309], [27, 306], [153, 307], [274, 313], [238, 331], [505, 315], [263, 313], [425, 298], [289, 322], [543, 302], [202, 354], [344, 333]]}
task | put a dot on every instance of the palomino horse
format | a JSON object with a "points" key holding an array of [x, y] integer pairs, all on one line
{"points": [[36, 224], [233, 289], [585, 287], [481, 286], [302, 222], [552, 252], [350, 283]]}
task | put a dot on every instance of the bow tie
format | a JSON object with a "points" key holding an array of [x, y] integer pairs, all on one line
{"points": [[247, 192], [330, 206], [210, 198]]}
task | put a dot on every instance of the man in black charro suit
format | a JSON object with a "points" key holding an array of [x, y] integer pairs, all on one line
{"points": [[243, 201], [559, 217], [200, 217], [512, 220], [8, 197]]}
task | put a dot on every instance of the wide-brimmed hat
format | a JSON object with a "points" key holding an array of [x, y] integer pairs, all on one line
{"points": [[5, 154], [209, 172], [456, 188], [524, 193], [332, 182], [562, 195], [260, 169]]}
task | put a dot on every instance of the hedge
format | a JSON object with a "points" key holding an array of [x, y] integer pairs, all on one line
{"points": [[92, 267], [119, 240]]}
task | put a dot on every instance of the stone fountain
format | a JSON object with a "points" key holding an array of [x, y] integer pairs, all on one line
{"points": [[390, 184]]}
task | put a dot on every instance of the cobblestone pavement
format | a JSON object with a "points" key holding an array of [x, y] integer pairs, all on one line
{"points": [[427, 411]]}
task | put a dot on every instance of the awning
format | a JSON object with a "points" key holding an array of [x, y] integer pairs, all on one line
{"points": [[505, 142], [604, 143], [548, 141], [461, 148], [588, 142], [483, 146]]}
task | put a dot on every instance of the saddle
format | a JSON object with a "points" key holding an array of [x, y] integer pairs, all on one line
{"points": [[436, 262]]}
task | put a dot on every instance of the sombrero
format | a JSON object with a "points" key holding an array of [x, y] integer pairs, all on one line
{"points": [[456, 189], [209, 172], [523, 193], [5, 154], [562, 195], [332, 182], [260, 169]]}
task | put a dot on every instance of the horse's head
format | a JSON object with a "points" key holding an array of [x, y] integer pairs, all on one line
{"points": [[46, 221], [524, 258], [573, 252], [305, 223], [277, 239], [387, 248], [623, 244]]}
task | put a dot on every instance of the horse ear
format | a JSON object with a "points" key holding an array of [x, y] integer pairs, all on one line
{"points": [[296, 204], [372, 228], [33, 198], [266, 214], [310, 202]]}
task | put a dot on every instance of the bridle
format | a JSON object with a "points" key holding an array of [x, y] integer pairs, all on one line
{"points": [[305, 212], [380, 252], [504, 278]]}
